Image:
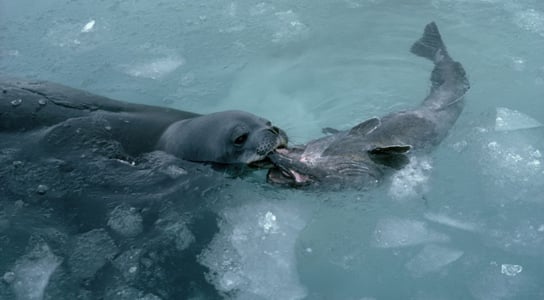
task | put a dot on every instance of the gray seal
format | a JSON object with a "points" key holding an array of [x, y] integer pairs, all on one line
{"points": [[363, 155], [229, 137], [66, 118]]}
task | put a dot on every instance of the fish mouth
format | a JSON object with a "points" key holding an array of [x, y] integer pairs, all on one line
{"points": [[287, 177], [287, 170]]}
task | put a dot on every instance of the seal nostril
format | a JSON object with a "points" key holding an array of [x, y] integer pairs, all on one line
{"points": [[275, 130]]}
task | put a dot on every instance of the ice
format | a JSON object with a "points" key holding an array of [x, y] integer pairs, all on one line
{"points": [[91, 251], [289, 27], [411, 181], [157, 68], [32, 272], [490, 284], [395, 232], [89, 26], [253, 255], [126, 221], [509, 119], [174, 229], [174, 171], [431, 259], [524, 238], [511, 270], [513, 161], [16, 102], [452, 222], [129, 293], [531, 20], [128, 264]]}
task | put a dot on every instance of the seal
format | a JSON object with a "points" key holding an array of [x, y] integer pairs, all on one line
{"points": [[64, 117], [363, 155]]}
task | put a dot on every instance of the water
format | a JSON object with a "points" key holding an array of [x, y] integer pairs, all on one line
{"points": [[463, 223]]}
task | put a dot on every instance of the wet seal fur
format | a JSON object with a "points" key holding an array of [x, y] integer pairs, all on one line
{"points": [[363, 155], [64, 117]]}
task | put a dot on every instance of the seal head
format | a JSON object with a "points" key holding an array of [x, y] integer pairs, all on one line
{"points": [[228, 137]]}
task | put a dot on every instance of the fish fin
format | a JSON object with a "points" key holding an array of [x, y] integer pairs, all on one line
{"points": [[391, 156], [391, 150], [329, 130], [430, 45], [446, 72], [365, 127]]}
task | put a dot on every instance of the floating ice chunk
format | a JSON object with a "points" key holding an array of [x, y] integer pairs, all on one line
{"points": [[513, 161], [531, 20], [412, 180], [451, 222], [396, 232], [511, 270], [253, 255], [268, 223], [508, 119], [289, 27], [128, 264], [88, 27], [518, 63], [174, 171], [126, 221], [522, 239], [129, 293], [32, 273], [157, 68], [492, 285], [91, 251], [174, 229], [431, 259]]}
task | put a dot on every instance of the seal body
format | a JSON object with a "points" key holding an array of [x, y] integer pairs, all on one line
{"points": [[63, 117], [364, 154]]}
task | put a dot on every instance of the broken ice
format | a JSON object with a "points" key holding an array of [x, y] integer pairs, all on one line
{"points": [[88, 27], [451, 222], [397, 232], [511, 270], [509, 119], [253, 255], [126, 221], [91, 251], [31, 273], [431, 259], [412, 180], [155, 69]]}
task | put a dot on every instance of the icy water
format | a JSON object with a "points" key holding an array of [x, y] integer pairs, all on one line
{"points": [[466, 222]]}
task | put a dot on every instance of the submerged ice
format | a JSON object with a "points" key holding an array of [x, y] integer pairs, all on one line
{"points": [[432, 258], [253, 255], [396, 232], [508, 119], [31, 273]]}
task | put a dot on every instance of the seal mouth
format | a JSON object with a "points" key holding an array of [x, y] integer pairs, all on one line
{"points": [[265, 162]]}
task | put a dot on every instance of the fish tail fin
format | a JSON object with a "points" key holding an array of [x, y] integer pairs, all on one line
{"points": [[430, 45]]}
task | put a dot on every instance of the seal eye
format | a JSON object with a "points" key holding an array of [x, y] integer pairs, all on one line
{"points": [[240, 140]]}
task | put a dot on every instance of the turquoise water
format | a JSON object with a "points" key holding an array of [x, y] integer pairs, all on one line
{"points": [[463, 223]]}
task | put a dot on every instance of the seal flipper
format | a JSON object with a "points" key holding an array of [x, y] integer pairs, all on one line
{"points": [[391, 156]]}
